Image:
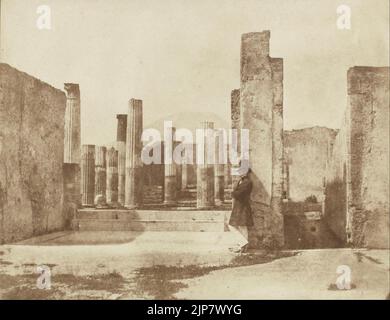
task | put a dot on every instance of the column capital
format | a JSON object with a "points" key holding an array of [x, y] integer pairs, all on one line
{"points": [[121, 116], [72, 89]]}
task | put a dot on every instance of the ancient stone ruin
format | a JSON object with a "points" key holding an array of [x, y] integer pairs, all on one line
{"points": [[313, 187]]}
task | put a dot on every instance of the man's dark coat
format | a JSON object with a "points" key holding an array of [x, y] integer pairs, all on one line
{"points": [[242, 213]]}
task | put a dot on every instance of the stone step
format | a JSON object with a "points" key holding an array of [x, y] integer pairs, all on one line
{"points": [[150, 220], [157, 225], [151, 215]]}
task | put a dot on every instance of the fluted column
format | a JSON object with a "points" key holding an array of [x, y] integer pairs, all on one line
{"points": [[134, 187], [205, 170], [112, 177], [87, 175], [219, 167], [170, 179], [100, 176], [72, 138], [121, 147]]}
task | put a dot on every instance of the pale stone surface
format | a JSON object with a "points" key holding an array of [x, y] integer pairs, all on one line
{"points": [[314, 271], [357, 202], [126, 252], [88, 175], [31, 156], [134, 180], [72, 124], [261, 103]]}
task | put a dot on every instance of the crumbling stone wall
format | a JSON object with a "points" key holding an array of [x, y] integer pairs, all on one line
{"points": [[31, 156], [336, 184], [306, 155], [364, 170], [261, 106]]}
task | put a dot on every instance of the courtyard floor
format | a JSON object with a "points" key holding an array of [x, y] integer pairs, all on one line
{"points": [[182, 265]]}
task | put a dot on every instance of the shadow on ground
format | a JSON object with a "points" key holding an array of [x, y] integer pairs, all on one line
{"points": [[162, 282], [65, 286], [157, 282]]}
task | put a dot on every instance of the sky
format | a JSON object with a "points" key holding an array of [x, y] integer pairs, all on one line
{"points": [[182, 55]]}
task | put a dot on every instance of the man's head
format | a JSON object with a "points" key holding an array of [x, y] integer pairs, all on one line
{"points": [[244, 167]]}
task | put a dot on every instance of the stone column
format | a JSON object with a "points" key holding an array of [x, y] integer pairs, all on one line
{"points": [[205, 169], [72, 138], [184, 175], [134, 187], [72, 194], [179, 169], [87, 175], [112, 177], [121, 147], [100, 176], [189, 169], [236, 125], [228, 170], [170, 167], [260, 104], [219, 168], [286, 179], [277, 141]]}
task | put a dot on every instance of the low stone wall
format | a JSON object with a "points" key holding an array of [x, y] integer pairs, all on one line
{"points": [[31, 156]]}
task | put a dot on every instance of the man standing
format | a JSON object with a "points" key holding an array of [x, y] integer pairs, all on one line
{"points": [[241, 217]]}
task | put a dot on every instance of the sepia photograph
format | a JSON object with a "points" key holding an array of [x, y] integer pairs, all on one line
{"points": [[194, 150]]}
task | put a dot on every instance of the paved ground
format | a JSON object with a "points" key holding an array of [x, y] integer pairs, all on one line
{"points": [[184, 265]]}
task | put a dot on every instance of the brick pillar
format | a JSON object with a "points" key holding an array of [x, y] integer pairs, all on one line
{"points": [[134, 181], [205, 170], [72, 138], [121, 147], [87, 175], [261, 106], [100, 176], [170, 168], [219, 168], [112, 177]]}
